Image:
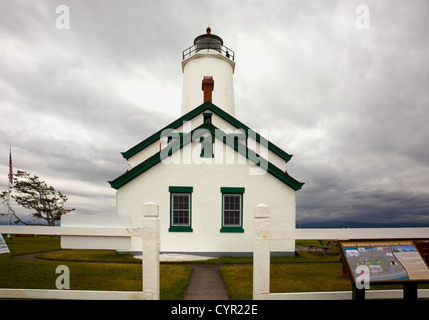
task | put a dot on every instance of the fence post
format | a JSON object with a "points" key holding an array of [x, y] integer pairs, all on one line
{"points": [[261, 253], [150, 249]]}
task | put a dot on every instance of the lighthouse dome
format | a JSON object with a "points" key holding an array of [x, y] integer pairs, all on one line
{"points": [[208, 41]]}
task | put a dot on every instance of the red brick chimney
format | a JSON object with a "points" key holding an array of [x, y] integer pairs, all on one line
{"points": [[207, 87]]}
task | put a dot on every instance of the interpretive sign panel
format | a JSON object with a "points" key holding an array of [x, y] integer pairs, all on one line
{"points": [[3, 246], [387, 261]]}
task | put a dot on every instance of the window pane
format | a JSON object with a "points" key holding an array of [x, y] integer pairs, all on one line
{"points": [[231, 209], [226, 201], [180, 210]]}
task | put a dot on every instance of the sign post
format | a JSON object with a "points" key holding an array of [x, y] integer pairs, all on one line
{"points": [[373, 262]]}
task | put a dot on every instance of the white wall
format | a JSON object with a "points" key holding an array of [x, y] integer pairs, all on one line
{"points": [[206, 180]]}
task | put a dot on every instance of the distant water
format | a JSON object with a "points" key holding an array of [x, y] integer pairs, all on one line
{"points": [[355, 224]]}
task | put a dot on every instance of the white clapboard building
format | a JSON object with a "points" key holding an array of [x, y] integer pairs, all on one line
{"points": [[207, 170]]}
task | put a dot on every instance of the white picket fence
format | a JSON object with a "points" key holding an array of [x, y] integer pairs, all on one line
{"points": [[261, 256], [149, 233]]}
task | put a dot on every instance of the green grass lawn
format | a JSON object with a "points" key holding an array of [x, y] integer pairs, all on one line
{"points": [[107, 270], [306, 272], [293, 277], [97, 272]]}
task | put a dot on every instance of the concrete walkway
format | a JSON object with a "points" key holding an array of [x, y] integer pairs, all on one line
{"points": [[206, 283]]}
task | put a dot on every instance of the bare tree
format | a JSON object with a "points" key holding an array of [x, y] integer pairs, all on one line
{"points": [[31, 193]]}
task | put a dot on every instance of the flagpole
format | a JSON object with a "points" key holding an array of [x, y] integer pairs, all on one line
{"points": [[9, 184]]}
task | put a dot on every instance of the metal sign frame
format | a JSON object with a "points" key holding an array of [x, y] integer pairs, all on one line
{"points": [[402, 254]]}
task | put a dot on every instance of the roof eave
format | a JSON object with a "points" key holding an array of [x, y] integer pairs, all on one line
{"points": [[191, 114], [250, 155]]}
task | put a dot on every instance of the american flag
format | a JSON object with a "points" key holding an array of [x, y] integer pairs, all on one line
{"points": [[10, 167]]}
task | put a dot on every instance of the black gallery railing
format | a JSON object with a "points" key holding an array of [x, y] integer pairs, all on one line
{"points": [[200, 46]]}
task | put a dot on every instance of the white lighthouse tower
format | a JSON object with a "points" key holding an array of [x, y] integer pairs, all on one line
{"points": [[208, 58]]}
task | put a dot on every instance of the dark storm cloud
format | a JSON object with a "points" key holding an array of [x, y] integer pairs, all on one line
{"points": [[349, 104]]}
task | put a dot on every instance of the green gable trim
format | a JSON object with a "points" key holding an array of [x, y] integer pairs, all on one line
{"points": [[157, 135], [192, 114], [195, 134], [153, 160]]}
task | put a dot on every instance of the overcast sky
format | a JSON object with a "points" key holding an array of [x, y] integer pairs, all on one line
{"points": [[347, 96]]}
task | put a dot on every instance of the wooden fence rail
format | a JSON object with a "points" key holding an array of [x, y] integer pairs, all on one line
{"points": [[150, 235]]}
